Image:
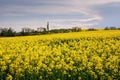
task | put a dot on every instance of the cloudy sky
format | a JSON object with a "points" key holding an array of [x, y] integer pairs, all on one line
{"points": [[60, 13]]}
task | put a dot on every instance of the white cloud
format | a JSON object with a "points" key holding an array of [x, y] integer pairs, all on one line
{"points": [[56, 7]]}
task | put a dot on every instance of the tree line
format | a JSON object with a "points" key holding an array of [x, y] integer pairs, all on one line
{"points": [[9, 32]]}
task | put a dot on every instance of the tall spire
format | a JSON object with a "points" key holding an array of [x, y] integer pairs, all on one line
{"points": [[47, 26]]}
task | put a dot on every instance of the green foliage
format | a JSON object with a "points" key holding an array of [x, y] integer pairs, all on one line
{"points": [[7, 32]]}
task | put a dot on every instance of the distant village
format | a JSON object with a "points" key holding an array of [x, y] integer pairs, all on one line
{"points": [[42, 29], [9, 32]]}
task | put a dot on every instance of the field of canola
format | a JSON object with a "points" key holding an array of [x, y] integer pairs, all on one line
{"points": [[87, 55]]}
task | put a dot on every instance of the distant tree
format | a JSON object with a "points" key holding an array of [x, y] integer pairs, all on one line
{"points": [[41, 29], [76, 29], [92, 29], [7, 32], [11, 32], [110, 28], [26, 31], [118, 28], [113, 28], [3, 32], [106, 28]]}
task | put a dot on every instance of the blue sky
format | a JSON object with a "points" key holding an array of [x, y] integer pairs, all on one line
{"points": [[60, 13]]}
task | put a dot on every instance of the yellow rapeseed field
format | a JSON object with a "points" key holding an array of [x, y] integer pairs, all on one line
{"points": [[86, 55]]}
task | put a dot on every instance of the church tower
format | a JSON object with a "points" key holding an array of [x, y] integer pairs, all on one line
{"points": [[47, 26]]}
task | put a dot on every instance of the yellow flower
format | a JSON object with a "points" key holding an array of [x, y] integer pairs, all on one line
{"points": [[9, 77]]}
